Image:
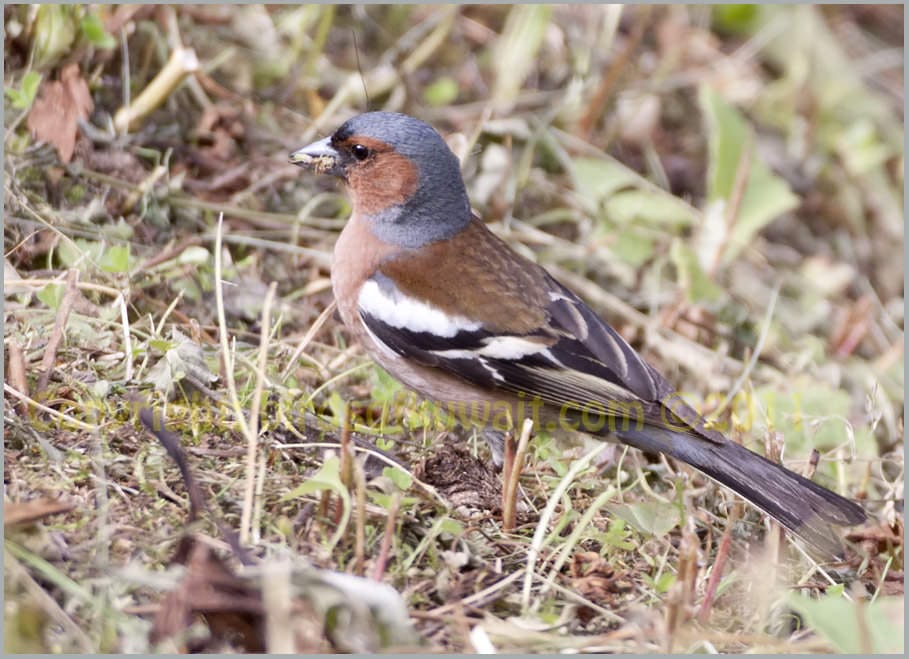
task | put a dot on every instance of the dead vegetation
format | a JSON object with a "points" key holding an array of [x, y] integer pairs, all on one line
{"points": [[724, 184]]}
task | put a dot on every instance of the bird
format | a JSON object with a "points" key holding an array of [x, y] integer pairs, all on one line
{"points": [[450, 310]]}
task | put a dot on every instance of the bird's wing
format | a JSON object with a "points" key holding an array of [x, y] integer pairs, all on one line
{"points": [[573, 360]]}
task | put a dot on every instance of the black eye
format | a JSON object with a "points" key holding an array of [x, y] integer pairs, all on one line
{"points": [[359, 152]]}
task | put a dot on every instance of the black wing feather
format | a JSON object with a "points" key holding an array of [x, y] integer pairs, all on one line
{"points": [[582, 363]]}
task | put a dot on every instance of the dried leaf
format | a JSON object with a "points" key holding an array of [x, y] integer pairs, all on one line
{"points": [[26, 512], [232, 606], [593, 578], [55, 114]]}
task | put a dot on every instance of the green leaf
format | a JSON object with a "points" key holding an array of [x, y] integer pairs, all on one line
{"points": [[632, 246], [116, 259], [808, 413], [726, 133], [737, 19], [451, 526], [836, 590], [653, 517], [54, 34], [766, 198], [766, 195], [626, 196], [16, 98], [51, 295], [80, 253], [665, 582], [516, 51], [327, 478], [441, 92], [691, 277], [94, 32], [101, 389], [161, 345], [649, 207], [385, 389], [860, 148], [853, 627], [821, 68], [182, 357], [618, 535], [338, 406], [399, 477], [597, 179], [194, 255], [23, 97], [119, 232]]}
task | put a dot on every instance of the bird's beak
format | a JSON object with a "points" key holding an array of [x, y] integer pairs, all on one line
{"points": [[320, 157]]}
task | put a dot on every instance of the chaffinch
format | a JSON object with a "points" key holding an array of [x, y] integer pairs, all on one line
{"points": [[447, 308]]}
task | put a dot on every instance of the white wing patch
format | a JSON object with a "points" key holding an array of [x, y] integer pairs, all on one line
{"points": [[510, 347], [497, 347], [403, 312]]}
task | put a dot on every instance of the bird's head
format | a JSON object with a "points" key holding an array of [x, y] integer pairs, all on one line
{"points": [[402, 177]]}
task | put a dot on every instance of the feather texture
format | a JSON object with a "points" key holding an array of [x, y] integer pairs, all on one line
{"points": [[576, 362], [450, 310]]}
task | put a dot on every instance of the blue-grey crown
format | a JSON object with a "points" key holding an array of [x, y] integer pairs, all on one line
{"points": [[440, 207]]}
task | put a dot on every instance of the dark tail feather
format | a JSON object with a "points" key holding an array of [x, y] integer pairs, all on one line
{"points": [[802, 506]]}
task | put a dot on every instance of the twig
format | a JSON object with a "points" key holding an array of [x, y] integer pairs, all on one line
{"points": [[580, 528], [360, 521], [682, 591], [387, 537], [484, 595], [278, 607], [739, 186], [345, 468], [756, 353], [232, 385], [81, 285], [308, 337], [432, 42], [258, 499], [53, 343], [167, 254], [127, 339], [48, 410], [508, 449], [511, 484], [539, 533], [182, 62], [252, 438], [618, 65], [155, 424], [811, 466], [722, 553], [16, 373], [573, 596]]}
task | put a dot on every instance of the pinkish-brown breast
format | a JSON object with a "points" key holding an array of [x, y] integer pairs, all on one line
{"points": [[357, 255]]}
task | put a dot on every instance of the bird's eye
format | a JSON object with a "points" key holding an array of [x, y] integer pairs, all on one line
{"points": [[359, 152]]}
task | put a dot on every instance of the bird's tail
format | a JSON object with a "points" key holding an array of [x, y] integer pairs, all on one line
{"points": [[800, 505]]}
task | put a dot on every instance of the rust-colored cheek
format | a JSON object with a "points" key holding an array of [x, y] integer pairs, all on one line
{"points": [[386, 179]]}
